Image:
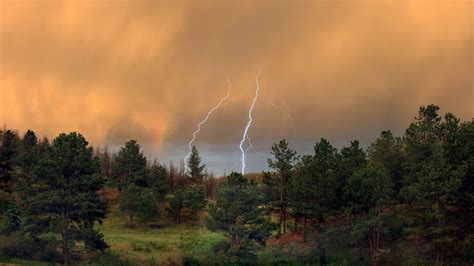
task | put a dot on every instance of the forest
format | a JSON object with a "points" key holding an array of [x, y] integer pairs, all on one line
{"points": [[403, 200]]}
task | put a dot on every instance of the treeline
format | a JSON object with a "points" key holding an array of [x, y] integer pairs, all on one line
{"points": [[53, 192], [406, 199]]}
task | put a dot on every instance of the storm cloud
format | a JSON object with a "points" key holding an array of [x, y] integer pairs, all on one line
{"points": [[149, 70]]}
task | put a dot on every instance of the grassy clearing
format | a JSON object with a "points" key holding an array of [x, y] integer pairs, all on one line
{"points": [[157, 245]]}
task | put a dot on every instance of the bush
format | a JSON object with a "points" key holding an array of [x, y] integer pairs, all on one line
{"points": [[19, 246]]}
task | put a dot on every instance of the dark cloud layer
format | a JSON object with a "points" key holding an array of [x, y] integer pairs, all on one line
{"points": [[150, 70]]}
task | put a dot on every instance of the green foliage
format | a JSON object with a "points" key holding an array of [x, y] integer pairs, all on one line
{"points": [[387, 150], [129, 166], [8, 151], [26, 159], [194, 164], [62, 198], [369, 188], [236, 213], [156, 180], [147, 210], [350, 160], [430, 182], [176, 205], [11, 219], [408, 200], [284, 163], [129, 200], [369, 191], [18, 245], [135, 201], [194, 200]]}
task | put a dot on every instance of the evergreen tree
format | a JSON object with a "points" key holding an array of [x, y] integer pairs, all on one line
{"points": [[284, 162], [387, 150], [129, 165], [429, 182], [460, 214], [194, 200], [238, 215], [369, 191], [8, 151], [351, 159], [129, 201], [270, 193], [176, 205], [156, 180], [147, 210], [63, 198], [325, 170], [194, 164], [106, 163], [26, 159], [311, 194]]}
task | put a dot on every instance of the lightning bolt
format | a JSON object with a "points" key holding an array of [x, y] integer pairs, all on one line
{"points": [[200, 124], [249, 123], [283, 107]]}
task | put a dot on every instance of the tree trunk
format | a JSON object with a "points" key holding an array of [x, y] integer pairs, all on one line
{"points": [[131, 220], [284, 220]]}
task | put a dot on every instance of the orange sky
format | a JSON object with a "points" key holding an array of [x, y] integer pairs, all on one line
{"points": [[149, 70]]}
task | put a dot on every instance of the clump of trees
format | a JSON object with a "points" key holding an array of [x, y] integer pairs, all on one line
{"points": [[404, 199], [55, 186], [237, 213]]}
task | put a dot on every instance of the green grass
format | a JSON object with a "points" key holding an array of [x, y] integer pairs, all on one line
{"points": [[158, 245], [15, 261]]}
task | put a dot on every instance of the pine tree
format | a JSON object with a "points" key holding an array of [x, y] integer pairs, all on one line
{"points": [[26, 159], [325, 169], [156, 180], [369, 193], [129, 165], [63, 198], [194, 164], [194, 200], [238, 215], [8, 151], [176, 205], [129, 201], [147, 209], [350, 160], [429, 181], [284, 162], [310, 195], [387, 150]]}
